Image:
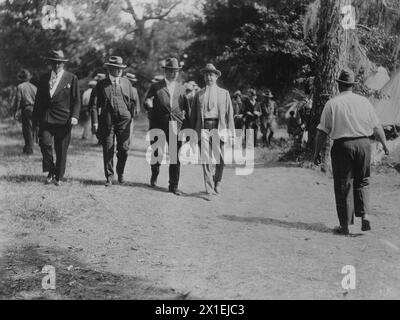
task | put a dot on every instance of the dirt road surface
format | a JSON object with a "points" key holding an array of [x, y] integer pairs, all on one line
{"points": [[268, 236]]}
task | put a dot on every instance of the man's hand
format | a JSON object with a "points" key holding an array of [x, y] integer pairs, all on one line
{"points": [[317, 159], [74, 121], [95, 126]]}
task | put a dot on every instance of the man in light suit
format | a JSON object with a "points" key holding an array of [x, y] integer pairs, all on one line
{"points": [[166, 101], [56, 110], [117, 104], [212, 110]]}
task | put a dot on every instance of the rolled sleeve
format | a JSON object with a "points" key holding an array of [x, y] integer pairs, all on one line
{"points": [[325, 123]]}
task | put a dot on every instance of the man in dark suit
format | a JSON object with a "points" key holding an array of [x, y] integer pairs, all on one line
{"points": [[56, 110], [166, 101], [118, 101]]}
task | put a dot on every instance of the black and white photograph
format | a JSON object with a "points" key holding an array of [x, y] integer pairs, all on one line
{"points": [[199, 150]]}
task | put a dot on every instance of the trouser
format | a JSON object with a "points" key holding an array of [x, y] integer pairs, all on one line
{"points": [[252, 124], [174, 168], [351, 171], [61, 134], [267, 129], [85, 122], [211, 176], [120, 131], [27, 129]]}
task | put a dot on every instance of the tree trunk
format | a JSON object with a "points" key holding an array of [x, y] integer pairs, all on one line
{"points": [[333, 55]]}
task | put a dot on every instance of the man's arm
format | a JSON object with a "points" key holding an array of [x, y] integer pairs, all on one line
{"points": [[320, 141], [380, 136], [76, 101], [17, 102], [135, 103]]}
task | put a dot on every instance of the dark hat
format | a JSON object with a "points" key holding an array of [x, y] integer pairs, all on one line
{"points": [[131, 77], [115, 61], [268, 94], [24, 75], [56, 55], [347, 77], [210, 68], [172, 63]]}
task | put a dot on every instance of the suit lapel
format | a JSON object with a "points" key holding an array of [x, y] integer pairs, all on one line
{"points": [[107, 88], [202, 99]]}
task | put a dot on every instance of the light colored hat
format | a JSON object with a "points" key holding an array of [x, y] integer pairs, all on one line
{"points": [[210, 68], [24, 75], [157, 78], [131, 77], [115, 61], [172, 63], [92, 83]]}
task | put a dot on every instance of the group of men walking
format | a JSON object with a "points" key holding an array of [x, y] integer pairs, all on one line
{"points": [[54, 107]]}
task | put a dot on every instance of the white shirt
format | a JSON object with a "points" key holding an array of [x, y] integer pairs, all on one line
{"points": [[56, 77], [171, 89], [211, 102], [348, 115], [86, 97], [115, 80]]}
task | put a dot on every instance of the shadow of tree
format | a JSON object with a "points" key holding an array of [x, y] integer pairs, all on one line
{"points": [[21, 278], [317, 227]]}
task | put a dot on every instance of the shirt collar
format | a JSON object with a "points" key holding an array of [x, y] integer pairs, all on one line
{"points": [[114, 79], [169, 83], [58, 75]]}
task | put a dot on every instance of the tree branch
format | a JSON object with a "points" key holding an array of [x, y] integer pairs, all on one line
{"points": [[163, 15]]}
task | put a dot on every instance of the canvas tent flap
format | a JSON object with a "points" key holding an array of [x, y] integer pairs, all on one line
{"points": [[388, 110]]}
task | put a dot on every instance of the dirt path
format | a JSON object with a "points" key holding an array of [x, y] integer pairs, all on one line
{"points": [[267, 236]]}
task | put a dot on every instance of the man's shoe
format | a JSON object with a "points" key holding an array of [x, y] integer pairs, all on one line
{"points": [[121, 179], [175, 191], [341, 231], [57, 183], [153, 181], [217, 187], [365, 225], [49, 178], [108, 183]]}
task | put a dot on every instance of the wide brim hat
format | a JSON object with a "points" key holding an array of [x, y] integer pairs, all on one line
{"points": [[92, 83], [251, 93], [237, 93], [210, 68], [115, 61], [157, 78], [24, 75], [347, 77], [171, 63], [56, 55], [131, 77]]}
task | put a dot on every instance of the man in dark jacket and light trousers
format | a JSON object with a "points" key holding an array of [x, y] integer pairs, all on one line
{"points": [[56, 110]]}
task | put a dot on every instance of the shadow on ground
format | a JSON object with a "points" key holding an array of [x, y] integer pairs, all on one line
{"points": [[21, 278]]}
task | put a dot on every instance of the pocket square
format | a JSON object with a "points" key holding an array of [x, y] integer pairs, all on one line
{"points": [[68, 86]]}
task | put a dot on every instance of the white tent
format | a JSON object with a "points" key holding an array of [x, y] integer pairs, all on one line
{"points": [[388, 110], [378, 79]]}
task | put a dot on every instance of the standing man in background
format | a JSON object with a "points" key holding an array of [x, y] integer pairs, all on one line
{"points": [[349, 119], [24, 101], [57, 107], [85, 111]]}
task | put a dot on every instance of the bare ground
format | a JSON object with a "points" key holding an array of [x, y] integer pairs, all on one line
{"points": [[268, 236]]}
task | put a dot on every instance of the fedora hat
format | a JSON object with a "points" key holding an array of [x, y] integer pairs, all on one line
{"points": [[131, 77], [210, 68], [157, 78], [251, 93], [172, 63], [347, 77], [56, 55], [92, 83], [24, 75], [115, 61]]}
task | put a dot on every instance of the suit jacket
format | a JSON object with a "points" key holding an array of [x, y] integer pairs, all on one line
{"points": [[226, 125], [162, 112], [101, 94], [64, 104]]}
